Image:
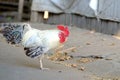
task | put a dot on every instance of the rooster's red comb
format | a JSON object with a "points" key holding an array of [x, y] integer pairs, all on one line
{"points": [[61, 27]]}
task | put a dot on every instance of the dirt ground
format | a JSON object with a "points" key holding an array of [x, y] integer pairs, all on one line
{"points": [[96, 57]]}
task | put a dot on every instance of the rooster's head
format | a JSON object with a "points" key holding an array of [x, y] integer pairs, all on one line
{"points": [[64, 33], [64, 29]]}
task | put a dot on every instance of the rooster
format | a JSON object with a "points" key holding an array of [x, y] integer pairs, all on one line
{"points": [[35, 42]]}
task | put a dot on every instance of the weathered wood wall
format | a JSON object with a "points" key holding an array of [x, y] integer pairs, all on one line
{"points": [[15, 10], [103, 26]]}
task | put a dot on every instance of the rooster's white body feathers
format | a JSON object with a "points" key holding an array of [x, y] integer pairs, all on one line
{"points": [[36, 37]]}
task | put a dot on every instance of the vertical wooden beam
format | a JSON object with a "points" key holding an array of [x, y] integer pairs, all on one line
{"points": [[34, 16], [20, 9]]}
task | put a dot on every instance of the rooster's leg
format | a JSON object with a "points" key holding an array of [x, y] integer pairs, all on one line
{"points": [[41, 63]]}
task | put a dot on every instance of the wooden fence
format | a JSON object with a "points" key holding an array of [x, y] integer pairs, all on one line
{"points": [[103, 26], [14, 10]]}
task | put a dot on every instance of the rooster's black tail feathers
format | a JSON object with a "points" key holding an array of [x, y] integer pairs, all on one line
{"points": [[12, 32]]}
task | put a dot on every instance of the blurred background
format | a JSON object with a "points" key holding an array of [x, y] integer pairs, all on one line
{"points": [[15, 10], [97, 15]]}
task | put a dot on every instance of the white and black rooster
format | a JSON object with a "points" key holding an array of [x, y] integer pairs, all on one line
{"points": [[35, 42]]}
